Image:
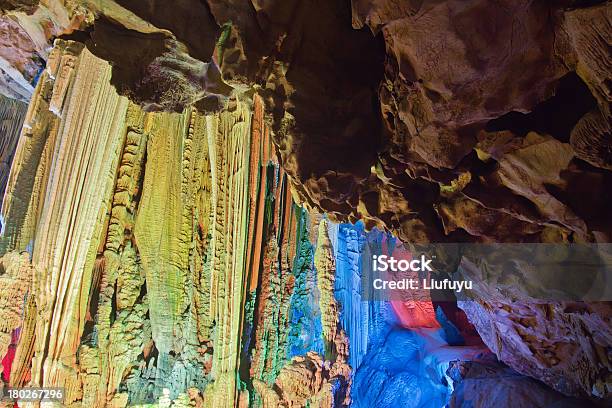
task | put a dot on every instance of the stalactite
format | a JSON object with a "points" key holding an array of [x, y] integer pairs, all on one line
{"points": [[12, 115], [60, 215], [354, 317], [337, 348], [171, 261], [326, 268], [305, 323]]}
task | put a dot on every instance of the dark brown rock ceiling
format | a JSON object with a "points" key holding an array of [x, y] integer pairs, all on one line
{"points": [[27, 6], [443, 120]]}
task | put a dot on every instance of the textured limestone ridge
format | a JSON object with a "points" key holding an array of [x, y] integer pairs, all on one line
{"points": [[272, 315], [12, 115], [326, 268], [229, 151], [561, 343], [55, 201], [15, 290], [590, 32], [305, 381], [27, 6]]}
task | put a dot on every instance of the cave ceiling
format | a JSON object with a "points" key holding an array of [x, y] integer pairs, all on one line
{"points": [[407, 115]]}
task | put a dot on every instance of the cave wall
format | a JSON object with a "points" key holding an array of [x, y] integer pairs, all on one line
{"points": [[437, 121], [159, 254]]}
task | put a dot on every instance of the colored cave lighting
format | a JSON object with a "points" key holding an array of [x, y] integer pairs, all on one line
{"points": [[305, 204]]}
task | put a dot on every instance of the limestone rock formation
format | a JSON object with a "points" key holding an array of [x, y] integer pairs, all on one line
{"points": [[128, 304], [485, 382], [12, 115], [16, 285], [457, 73], [27, 30], [562, 343], [304, 382], [178, 191]]}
